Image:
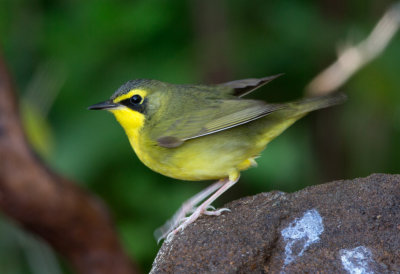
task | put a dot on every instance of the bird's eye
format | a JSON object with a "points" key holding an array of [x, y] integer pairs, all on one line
{"points": [[136, 99]]}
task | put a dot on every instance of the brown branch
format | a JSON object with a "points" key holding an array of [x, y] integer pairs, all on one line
{"points": [[74, 222], [354, 57]]}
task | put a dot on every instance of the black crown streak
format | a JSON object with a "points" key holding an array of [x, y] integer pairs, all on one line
{"points": [[141, 107]]}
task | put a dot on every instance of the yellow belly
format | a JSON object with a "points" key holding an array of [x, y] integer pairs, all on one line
{"points": [[192, 164], [210, 157], [215, 156]]}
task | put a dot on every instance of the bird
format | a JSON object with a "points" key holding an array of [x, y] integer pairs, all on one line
{"points": [[202, 132]]}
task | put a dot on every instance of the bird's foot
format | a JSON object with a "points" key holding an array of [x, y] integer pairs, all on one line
{"points": [[216, 212], [202, 209], [172, 227], [188, 207], [196, 214], [209, 208]]}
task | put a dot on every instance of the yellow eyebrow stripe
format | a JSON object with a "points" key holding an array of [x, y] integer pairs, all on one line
{"points": [[140, 92]]}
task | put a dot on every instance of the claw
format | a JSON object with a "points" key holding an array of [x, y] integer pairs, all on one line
{"points": [[210, 207]]}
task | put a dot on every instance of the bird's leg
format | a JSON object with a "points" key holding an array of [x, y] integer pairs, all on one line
{"points": [[202, 209], [187, 207]]}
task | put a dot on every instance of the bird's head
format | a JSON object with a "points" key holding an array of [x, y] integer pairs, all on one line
{"points": [[133, 102]]}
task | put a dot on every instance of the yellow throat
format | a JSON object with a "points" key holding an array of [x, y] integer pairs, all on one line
{"points": [[130, 120]]}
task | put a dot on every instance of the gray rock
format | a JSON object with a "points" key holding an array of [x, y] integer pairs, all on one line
{"points": [[349, 226]]}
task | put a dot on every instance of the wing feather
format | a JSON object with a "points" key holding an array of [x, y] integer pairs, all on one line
{"points": [[243, 87], [217, 116]]}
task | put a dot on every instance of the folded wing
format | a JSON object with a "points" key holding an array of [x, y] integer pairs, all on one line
{"points": [[214, 117]]}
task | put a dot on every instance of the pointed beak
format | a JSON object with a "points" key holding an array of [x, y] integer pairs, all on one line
{"points": [[104, 105]]}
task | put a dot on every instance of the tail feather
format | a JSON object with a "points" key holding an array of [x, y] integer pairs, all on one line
{"points": [[284, 118], [313, 103]]}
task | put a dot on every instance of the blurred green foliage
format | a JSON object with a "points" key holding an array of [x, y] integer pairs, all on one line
{"points": [[66, 55]]}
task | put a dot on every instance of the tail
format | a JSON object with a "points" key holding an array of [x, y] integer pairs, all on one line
{"points": [[278, 121], [304, 106]]}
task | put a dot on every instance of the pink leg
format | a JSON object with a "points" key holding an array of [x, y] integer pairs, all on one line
{"points": [[204, 206], [187, 207]]}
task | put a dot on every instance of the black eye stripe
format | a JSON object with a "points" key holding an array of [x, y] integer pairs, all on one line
{"points": [[134, 100], [125, 102], [131, 103]]}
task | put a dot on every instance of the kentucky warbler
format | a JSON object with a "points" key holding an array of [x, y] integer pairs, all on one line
{"points": [[199, 132]]}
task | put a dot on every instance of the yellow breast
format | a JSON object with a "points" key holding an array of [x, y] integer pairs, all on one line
{"points": [[185, 163], [132, 122]]}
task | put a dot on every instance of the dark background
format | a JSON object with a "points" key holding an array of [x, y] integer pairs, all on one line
{"points": [[67, 55]]}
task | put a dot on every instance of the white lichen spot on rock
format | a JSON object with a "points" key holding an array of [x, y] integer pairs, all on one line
{"points": [[301, 233], [357, 260]]}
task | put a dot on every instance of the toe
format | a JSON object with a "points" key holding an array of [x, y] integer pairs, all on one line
{"points": [[216, 212]]}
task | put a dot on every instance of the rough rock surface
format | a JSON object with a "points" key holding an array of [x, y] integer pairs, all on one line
{"points": [[349, 226]]}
